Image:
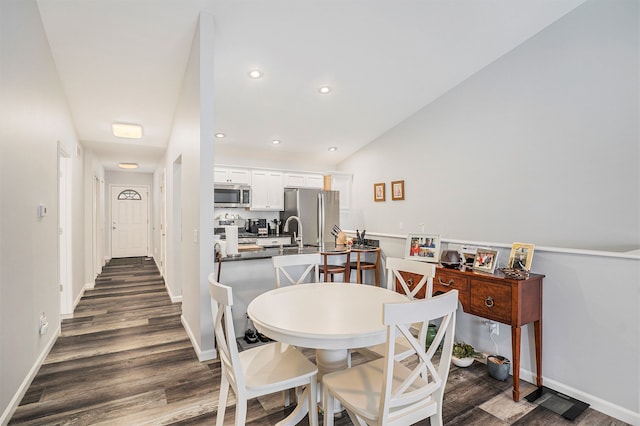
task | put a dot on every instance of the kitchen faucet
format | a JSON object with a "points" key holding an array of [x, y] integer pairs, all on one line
{"points": [[286, 229]]}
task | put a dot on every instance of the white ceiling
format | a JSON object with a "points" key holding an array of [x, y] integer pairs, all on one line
{"points": [[123, 60]]}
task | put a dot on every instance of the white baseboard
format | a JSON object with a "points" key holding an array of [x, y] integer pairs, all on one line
{"points": [[594, 402], [22, 390], [174, 299], [202, 355]]}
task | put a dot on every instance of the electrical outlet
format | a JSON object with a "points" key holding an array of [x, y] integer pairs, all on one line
{"points": [[493, 327], [44, 324]]}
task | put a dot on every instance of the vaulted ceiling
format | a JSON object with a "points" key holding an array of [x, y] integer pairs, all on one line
{"points": [[123, 61]]}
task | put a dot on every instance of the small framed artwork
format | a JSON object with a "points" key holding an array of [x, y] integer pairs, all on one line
{"points": [[521, 256], [378, 191], [423, 247], [397, 190], [485, 260]]}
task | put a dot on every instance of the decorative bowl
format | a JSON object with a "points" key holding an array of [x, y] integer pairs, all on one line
{"points": [[462, 362]]}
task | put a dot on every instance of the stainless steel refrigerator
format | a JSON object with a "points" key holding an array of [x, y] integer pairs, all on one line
{"points": [[318, 210]]}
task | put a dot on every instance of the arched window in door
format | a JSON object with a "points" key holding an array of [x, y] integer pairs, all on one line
{"points": [[129, 194]]}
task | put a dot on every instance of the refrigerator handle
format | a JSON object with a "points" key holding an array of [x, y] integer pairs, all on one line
{"points": [[321, 218]]}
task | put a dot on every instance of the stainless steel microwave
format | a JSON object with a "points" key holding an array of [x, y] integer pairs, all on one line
{"points": [[232, 196]]}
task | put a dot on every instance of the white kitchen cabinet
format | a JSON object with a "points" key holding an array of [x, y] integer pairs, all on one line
{"points": [[267, 190], [231, 175], [343, 183], [303, 180]]}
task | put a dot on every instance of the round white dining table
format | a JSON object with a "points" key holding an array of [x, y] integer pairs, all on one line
{"points": [[329, 317]]}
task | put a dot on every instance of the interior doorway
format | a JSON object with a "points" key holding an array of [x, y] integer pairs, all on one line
{"points": [[163, 222], [98, 227], [64, 231], [177, 227]]}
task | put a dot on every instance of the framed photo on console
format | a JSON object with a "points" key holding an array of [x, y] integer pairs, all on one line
{"points": [[521, 256], [423, 247], [485, 260]]}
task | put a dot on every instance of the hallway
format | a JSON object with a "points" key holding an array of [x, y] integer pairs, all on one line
{"points": [[123, 358]]}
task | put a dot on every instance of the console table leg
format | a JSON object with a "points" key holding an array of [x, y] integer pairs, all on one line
{"points": [[537, 328], [515, 349]]}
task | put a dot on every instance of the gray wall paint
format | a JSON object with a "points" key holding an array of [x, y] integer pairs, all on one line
{"points": [[540, 146], [33, 118]]}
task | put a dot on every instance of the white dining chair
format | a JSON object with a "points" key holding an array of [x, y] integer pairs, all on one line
{"points": [[262, 370], [388, 392], [417, 276], [290, 266]]}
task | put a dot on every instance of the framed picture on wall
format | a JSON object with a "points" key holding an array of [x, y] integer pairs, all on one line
{"points": [[378, 191], [423, 247], [397, 190], [521, 256], [485, 260]]}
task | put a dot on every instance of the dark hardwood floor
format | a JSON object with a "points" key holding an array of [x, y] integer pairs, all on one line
{"points": [[125, 359]]}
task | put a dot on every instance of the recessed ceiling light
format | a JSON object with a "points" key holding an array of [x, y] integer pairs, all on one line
{"points": [[324, 89], [333, 148], [128, 165], [220, 135], [275, 142], [128, 131], [255, 73]]}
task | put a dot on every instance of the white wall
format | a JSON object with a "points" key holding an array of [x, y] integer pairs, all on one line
{"points": [[33, 118], [541, 146], [192, 141]]}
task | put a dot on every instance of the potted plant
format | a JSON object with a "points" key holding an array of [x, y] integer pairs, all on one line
{"points": [[463, 354]]}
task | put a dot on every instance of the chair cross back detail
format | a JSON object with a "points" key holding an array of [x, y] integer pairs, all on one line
{"points": [[245, 372], [395, 266], [388, 392], [283, 266], [424, 379]]}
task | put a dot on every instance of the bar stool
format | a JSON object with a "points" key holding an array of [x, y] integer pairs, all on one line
{"points": [[360, 265], [330, 269]]}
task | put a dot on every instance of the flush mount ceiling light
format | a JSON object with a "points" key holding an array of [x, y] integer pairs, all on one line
{"points": [[128, 131], [128, 165], [324, 89], [275, 142], [333, 148], [219, 135], [255, 73]]}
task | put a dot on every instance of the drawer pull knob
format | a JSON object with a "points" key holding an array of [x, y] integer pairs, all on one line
{"points": [[488, 302], [445, 284], [410, 282]]}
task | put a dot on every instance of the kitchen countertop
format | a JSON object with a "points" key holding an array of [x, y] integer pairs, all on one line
{"points": [[268, 252]]}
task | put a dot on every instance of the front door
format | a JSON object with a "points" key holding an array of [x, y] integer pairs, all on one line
{"points": [[129, 221]]}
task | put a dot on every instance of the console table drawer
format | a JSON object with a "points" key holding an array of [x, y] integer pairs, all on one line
{"points": [[492, 301], [445, 281]]}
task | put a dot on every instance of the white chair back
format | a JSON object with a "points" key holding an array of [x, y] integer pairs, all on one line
{"points": [[411, 289], [418, 392], [221, 302], [287, 266]]}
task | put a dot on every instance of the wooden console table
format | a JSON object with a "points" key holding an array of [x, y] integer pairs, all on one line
{"points": [[501, 299], [508, 301]]}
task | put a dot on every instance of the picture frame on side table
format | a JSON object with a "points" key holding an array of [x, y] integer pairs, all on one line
{"points": [[485, 260], [378, 191], [423, 247], [397, 190], [521, 256]]}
